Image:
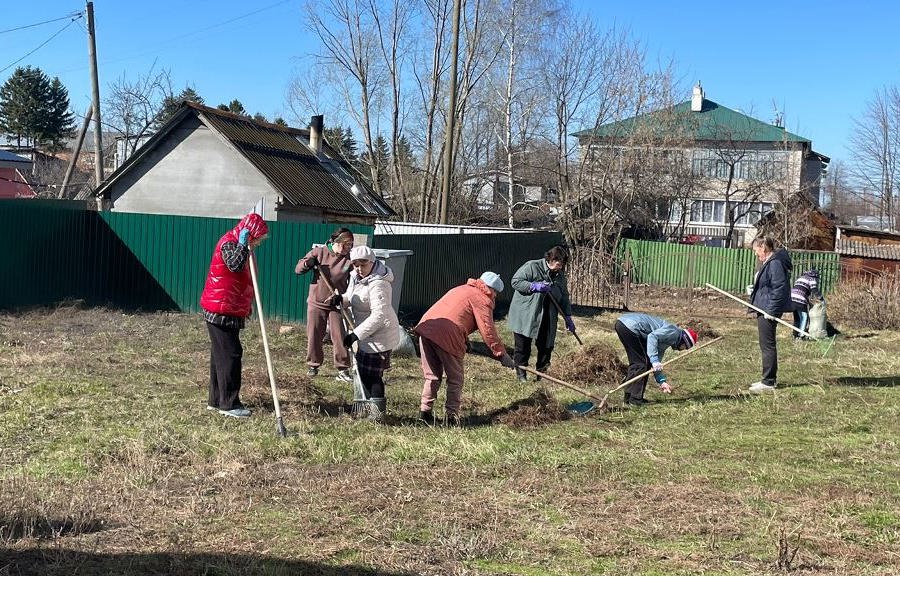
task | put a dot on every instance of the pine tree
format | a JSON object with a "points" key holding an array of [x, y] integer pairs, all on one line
{"points": [[24, 105], [60, 122], [172, 103], [280, 121]]}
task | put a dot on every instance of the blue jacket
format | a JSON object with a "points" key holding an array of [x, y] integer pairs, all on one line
{"points": [[659, 333], [772, 285]]}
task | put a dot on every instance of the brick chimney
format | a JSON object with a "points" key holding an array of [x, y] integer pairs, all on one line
{"points": [[316, 125], [697, 98]]}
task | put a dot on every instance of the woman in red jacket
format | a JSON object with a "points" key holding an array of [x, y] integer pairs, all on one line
{"points": [[226, 302]]}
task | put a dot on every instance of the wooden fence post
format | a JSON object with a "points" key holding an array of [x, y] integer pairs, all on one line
{"points": [[626, 278]]}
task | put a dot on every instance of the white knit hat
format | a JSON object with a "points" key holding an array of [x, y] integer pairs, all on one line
{"points": [[362, 253], [492, 280]]}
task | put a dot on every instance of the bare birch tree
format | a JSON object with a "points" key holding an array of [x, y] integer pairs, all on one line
{"points": [[132, 106], [349, 43], [875, 151]]}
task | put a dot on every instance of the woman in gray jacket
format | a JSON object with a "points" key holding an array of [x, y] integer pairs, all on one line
{"points": [[377, 328], [532, 312]]}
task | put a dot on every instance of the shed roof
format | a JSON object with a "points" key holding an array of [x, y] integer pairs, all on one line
{"points": [[283, 157], [846, 247], [713, 122], [13, 160]]}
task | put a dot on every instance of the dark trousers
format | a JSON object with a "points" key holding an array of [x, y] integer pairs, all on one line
{"points": [[523, 347], [638, 361], [224, 367], [766, 329], [372, 384]]}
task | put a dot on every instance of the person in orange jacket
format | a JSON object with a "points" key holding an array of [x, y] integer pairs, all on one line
{"points": [[442, 339]]}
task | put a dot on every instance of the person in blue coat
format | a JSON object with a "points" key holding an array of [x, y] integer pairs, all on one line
{"points": [[646, 338], [771, 292], [532, 314]]}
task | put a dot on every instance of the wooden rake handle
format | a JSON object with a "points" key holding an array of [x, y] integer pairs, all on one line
{"points": [[759, 310], [562, 383]]}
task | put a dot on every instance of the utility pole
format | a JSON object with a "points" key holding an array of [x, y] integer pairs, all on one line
{"points": [[95, 97], [451, 118]]}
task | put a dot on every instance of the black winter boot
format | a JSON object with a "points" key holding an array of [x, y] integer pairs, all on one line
{"points": [[427, 417]]}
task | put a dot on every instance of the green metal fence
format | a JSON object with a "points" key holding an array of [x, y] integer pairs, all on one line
{"points": [[731, 269], [60, 251], [440, 262]]}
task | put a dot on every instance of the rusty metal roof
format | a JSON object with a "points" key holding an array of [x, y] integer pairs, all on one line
{"points": [[282, 155]]}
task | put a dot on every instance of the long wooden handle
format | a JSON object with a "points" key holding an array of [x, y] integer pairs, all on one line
{"points": [[670, 361], [759, 310], [265, 338], [562, 383], [560, 311]]}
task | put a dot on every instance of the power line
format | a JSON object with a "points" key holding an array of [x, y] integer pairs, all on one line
{"points": [[68, 16], [170, 41], [66, 26]]}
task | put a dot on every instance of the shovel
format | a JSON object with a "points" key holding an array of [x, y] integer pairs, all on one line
{"points": [[279, 422], [583, 408], [571, 387]]}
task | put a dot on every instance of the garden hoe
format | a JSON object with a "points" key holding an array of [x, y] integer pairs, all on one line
{"points": [[359, 391], [583, 408], [262, 327]]}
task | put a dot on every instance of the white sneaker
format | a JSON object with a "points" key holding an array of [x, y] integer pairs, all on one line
{"points": [[760, 387], [344, 375]]}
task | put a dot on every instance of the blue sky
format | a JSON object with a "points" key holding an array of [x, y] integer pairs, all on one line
{"points": [[819, 61]]}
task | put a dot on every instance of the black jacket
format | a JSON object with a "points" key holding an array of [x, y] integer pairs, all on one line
{"points": [[772, 286]]}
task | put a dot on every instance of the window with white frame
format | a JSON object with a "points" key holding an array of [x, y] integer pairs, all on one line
{"points": [[754, 165], [713, 212]]}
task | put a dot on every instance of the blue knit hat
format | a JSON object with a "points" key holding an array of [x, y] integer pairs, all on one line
{"points": [[492, 280]]}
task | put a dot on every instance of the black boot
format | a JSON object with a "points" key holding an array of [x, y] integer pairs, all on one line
{"points": [[636, 401], [520, 375], [427, 417]]}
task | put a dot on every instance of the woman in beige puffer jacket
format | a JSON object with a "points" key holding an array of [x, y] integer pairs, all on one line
{"points": [[377, 329]]}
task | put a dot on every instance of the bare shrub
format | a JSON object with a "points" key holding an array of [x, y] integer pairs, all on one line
{"points": [[787, 551], [872, 302]]}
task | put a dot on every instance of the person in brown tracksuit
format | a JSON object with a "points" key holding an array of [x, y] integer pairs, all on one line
{"points": [[333, 261], [443, 331]]}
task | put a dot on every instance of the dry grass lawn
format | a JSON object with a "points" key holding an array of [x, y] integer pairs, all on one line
{"points": [[111, 464]]}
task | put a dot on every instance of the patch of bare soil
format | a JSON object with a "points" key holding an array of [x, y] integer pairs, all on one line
{"points": [[590, 364], [666, 300], [703, 329], [541, 408]]}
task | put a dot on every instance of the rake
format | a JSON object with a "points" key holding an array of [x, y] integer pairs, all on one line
{"points": [[761, 311], [583, 408], [359, 391]]}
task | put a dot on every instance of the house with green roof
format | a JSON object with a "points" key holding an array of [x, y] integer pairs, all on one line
{"points": [[738, 166]]}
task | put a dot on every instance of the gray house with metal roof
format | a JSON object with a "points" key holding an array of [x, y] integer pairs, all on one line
{"points": [[212, 163]]}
